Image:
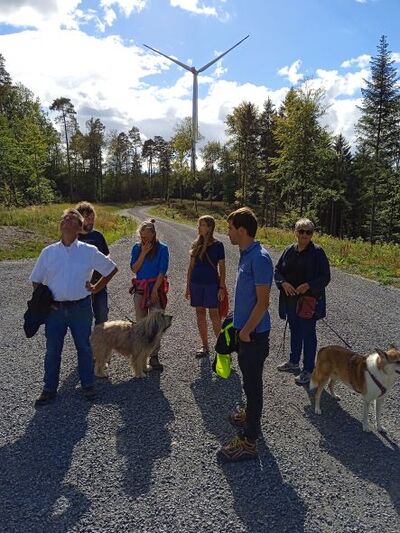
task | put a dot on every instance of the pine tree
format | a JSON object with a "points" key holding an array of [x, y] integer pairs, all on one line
{"points": [[243, 129], [66, 117], [268, 150], [378, 129]]}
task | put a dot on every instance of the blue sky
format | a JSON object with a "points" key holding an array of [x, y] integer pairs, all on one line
{"points": [[91, 51]]}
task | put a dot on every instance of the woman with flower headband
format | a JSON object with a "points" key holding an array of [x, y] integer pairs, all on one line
{"points": [[149, 263], [206, 280]]}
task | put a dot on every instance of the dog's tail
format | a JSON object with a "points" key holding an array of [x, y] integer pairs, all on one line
{"points": [[314, 381]]}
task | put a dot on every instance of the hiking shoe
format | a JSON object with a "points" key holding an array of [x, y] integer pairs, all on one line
{"points": [[288, 366], [238, 449], [89, 393], [303, 378], [238, 418], [202, 352], [45, 398]]}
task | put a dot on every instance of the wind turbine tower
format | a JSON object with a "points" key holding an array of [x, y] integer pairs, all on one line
{"points": [[195, 72]]}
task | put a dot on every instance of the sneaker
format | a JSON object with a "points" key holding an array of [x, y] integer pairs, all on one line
{"points": [[288, 366], [239, 449], [89, 393], [45, 398], [202, 352], [303, 378], [238, 418]]}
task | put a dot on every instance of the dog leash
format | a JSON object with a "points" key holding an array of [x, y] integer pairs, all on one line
{"points": [[282, 344], [114, 303], [337, 334]]}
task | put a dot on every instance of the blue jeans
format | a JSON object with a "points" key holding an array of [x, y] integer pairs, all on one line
{"points": [[303, 336], [251, 357], [100, 307], [78, 318]]}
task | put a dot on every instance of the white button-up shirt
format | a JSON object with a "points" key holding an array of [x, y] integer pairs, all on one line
{"points": [[66, 269]]}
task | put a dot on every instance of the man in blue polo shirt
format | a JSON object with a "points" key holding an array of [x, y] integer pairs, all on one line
{"points": [[251, 319]]}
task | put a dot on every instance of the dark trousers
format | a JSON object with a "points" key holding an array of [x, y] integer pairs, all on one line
{"points": [[251, 356], [78, 318], [303, 337], [100, 306]]}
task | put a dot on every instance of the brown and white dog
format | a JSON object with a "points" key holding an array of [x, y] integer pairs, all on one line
{"points": [[372, 376]]}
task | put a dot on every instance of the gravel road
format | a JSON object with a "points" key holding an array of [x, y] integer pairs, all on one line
{"points": [[141, 458]]}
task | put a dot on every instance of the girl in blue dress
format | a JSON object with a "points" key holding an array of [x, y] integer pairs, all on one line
{"points": [[206, 280]]}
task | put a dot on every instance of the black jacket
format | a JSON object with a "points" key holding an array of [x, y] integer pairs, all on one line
{"points": [[38, 309], [316, 273]]}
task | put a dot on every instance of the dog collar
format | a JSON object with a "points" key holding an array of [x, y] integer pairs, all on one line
{"points": [[377, 383]]}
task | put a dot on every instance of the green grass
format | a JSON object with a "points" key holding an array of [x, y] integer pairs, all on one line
{"points": [[39, 226], [380, 262]]}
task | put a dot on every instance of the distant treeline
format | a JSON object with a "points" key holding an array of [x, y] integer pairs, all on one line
{"points": [[280, 160]]}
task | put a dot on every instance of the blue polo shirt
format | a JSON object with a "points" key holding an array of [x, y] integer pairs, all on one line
{"points": [[255, 268], [152, 266]]}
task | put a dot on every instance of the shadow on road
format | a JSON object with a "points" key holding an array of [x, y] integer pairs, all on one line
{"points": [[365, 454], [144, 436], [216, 398], [32, 495], [263, 501]]}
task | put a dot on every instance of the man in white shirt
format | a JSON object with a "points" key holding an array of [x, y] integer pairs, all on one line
{"points": [[66, 267]]}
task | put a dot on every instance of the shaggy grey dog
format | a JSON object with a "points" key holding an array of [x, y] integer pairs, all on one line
{"points": [[136, 341]]}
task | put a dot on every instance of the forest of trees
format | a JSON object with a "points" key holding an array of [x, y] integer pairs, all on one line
{"points": [[281, 160]]}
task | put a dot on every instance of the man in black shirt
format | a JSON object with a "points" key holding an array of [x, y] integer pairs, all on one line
{"points": [[94, 237]]}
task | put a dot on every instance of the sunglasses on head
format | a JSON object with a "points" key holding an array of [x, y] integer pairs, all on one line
{"points": [[305, 231]]}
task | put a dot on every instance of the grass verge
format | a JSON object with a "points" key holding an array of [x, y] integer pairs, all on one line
{"points": [[25, 231], [380, 262]]}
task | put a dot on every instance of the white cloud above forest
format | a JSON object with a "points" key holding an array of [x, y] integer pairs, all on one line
{"points": [[292, 72], [123, 84]]}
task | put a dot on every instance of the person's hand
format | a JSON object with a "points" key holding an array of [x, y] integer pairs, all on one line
{"points": [[301, 289], [221, 294], [154, 296], [91, 288], [146, 247], [187, 292], [288, 289], [244, 335]]}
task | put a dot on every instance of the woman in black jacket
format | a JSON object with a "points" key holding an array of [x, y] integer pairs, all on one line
{"points": [[302, 270]]}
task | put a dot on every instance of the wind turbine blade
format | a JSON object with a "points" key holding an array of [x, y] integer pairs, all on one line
{"points": [[186, 67], [202, 69]]}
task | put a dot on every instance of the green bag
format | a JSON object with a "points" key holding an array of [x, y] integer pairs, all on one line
{"points": [[223, 365]]}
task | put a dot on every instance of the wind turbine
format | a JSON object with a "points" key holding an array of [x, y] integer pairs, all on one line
{"points": [[195, 72]]}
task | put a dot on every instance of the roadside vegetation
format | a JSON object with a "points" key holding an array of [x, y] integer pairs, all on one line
{"points": [[380, 262], [25, 231]]}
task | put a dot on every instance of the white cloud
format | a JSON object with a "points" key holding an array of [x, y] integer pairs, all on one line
{"points": [[292, 73], [360, 61], [126, 6], [109, 79], [39, 13], [194, 7], [64, 13]]}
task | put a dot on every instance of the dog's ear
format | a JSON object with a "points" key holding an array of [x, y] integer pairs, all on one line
{"points": [[393, 347], [382, 354]]}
